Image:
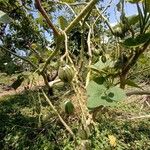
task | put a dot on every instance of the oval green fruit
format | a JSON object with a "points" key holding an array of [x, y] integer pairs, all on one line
{"points": [[69, 107], [66, 73]]}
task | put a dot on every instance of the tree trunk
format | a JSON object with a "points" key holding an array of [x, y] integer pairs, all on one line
{"points": [[122, 81]]}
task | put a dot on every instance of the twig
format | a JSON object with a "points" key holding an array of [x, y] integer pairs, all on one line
{"points": [[66, 50], [140, 117], [61, 119], [141, 71], [105, 20], [51, 57], [37, 54], [68, 5], [82, 40], [45, 15], [90, 56], [81, 15], [23, 58], [102, 12], [54, 82], [39, 111], [138, 93], [135, 57], [78, 3], [71, 4]]}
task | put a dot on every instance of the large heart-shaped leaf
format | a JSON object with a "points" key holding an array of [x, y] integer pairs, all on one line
{"points": [[4, 18], [99, 95], [115, 93], [95, 92]]}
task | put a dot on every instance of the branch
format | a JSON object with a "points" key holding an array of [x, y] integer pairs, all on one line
{"points": [[71, 4], [39, 57], [135, 57], [45, 15], [28, 61], [50, 57], [77, 4], [140, 117], [81, 15], [106, 7], [52, 83], [61, 119], [90, 56], [68, 5], [138, 93], [105, 20], [66, 54]]}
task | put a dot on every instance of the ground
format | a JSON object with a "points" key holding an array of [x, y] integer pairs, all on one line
{"points": [[26, 124]]}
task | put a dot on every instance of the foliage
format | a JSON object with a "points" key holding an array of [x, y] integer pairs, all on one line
{"points": [[99, 59], [19, 127], [101, 95]]}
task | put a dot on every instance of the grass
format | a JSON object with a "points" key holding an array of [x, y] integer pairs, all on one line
{"points": [[19, 126]]}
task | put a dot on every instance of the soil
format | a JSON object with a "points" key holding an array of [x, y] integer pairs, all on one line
{"points": [[7, 90]]}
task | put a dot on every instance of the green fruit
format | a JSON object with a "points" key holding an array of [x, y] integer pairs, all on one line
{"points": [[69, 107], [66, 73], [103, 59], [118, 32]]}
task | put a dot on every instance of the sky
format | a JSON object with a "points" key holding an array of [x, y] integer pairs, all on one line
{"points": [[130, 9]]}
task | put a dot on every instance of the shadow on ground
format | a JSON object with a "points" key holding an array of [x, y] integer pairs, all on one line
{"points": [[19, 129], [19, 124]]}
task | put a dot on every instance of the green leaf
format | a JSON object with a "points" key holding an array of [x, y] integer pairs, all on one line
{"points": [[100, 79], [119, 6], [95, 92], [115, 93], [62, 22], [4, 18], [17, 83], [132, 83], [132, 20], [100, 65], [138, 41], [147, 5], [99, 95], [33, 59]]}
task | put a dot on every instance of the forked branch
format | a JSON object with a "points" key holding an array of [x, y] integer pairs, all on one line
{"points": [[45, 15], [81, 15]]}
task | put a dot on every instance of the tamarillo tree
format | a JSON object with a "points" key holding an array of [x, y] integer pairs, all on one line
{"points": [[87, 63]]}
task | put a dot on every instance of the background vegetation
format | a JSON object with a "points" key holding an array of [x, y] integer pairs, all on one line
{"points": [[67, 74]]}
